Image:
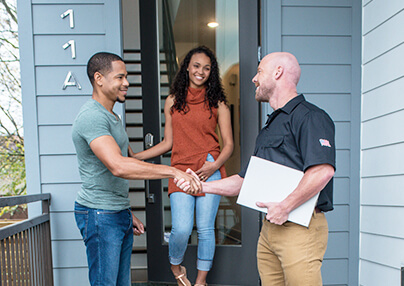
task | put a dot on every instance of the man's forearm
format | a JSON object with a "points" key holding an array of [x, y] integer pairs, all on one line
{"points": [[133, 169], [313, 181], [226, 187]]}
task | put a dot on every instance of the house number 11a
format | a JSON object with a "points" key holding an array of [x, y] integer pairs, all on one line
{"points": [[70, 79]]}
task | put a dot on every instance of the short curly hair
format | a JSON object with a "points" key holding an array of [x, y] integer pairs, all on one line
{"points": [[214, 88], [101, 62]]}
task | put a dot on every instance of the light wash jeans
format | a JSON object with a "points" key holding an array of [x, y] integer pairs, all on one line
{"points": [[183, 207], [108, 236]]}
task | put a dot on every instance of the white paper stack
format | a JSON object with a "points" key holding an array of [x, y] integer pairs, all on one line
{"points": [[266, 181]]}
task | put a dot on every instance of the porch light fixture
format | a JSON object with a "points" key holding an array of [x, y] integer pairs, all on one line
{"points": [[213, 24]]}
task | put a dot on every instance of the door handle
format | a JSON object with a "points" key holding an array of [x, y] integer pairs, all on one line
{"points": [[149, 197], [148, 140], [148, 143]]}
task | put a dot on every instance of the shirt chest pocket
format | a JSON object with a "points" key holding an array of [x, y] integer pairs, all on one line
{"points": [[272, 149]]}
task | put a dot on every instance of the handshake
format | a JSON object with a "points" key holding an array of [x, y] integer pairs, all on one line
{"points": [[191, 183]]}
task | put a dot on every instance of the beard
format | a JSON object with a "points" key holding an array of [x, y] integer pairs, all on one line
{"points": [[260, 97], [263, 93], [120, 100]]}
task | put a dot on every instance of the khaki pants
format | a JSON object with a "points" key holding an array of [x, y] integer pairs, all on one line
{"points": [[291, 254]]}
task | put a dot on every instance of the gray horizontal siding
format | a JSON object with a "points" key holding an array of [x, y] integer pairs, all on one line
{"points": [[376, 274], [382, 202], [56, 140], [59, 110], [319, 49], [50, 79], [342, 195], [70, 276], [383, 38], [375, 78], [69, 254], [62, 196], [375, 134], [337, 105], [391, 103], [332, 276], [383, 161], [50, 52], [375, 223], [392, 191], [384, 255], [376, 12], [88, 19], [59, 169], [314, 20]]}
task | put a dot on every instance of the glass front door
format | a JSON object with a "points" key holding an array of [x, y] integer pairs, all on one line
{"points": [[180, 33], [169, 29]]}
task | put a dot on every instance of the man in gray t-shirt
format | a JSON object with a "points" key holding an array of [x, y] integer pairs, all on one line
{"points": [[105, 158], [100, 189]]}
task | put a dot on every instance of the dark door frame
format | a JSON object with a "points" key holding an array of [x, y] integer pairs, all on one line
{"points": [[151, 124], [227, 258]]}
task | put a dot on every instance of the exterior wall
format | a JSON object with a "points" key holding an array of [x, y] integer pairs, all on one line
{"points": [[382, 177], [49, 110], [325, 38]]}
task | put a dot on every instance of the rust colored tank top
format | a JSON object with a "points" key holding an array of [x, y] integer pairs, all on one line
{"points": [[194, 136]]}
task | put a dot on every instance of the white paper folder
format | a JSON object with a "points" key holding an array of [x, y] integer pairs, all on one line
{"points": [[266, 181]]}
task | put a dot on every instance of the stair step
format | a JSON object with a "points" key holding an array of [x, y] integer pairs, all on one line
{"points": [[137, 97], [134, 124], [139, 250], [133, 110], [136, 184], [127, 51], [134, 73], [131, 57], [137, 190], [139, 276], [134, 84], [132, 61], [136, 139]]}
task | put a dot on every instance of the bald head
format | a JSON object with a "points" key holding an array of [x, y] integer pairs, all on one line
{"points": [[288, 62], [277, 77]]}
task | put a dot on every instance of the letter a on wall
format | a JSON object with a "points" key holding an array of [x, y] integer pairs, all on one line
{"points": [[71, 81]]}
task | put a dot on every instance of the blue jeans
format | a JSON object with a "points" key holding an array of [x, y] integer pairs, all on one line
{"points": [[108, 237], [183, 207]]}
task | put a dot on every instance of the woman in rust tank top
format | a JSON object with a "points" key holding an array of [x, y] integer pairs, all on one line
{"points": [[195, 106]]}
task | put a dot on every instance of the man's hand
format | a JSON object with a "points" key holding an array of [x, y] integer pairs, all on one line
{"points": [[138, 227], [188, 182], [276, 214], [314, 180]]}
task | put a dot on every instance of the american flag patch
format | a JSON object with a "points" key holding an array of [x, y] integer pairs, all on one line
{"points": [[325, 143]]}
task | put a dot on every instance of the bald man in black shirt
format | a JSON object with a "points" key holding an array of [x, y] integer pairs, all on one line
{"points": [[299, 135]]}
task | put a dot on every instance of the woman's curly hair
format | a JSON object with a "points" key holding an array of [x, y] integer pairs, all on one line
{"points": [[214, 88]]}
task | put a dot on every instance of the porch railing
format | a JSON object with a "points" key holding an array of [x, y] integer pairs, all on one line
{"points": [[25, 247]]}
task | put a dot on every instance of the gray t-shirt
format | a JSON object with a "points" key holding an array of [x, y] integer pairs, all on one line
{"points": [[100, 189]]}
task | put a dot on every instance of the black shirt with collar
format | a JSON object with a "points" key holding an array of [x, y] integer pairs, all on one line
{"points": [[299, 135]]}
